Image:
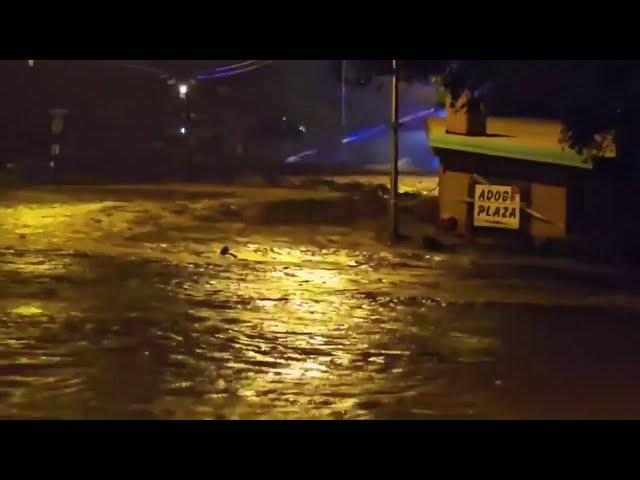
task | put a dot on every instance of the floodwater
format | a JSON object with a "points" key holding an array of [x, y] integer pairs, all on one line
{"points": [[111, 309]]}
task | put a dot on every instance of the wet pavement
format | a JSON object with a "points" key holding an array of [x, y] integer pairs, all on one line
{"points": [[115, 303]]}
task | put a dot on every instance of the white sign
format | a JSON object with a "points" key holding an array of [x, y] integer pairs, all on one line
{"points": [[496, 206]]}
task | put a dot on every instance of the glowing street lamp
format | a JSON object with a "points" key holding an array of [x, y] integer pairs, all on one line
{"points": [[185, 125], [183, 89]]}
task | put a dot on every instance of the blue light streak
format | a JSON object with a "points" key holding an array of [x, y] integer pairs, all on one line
{"points": [[370, 132], [237, 65], [229, 73], [381, 128]]}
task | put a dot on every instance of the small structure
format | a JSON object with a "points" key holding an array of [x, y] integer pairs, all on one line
{"points": [[510, 173]]}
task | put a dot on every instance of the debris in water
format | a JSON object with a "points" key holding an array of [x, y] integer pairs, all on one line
{"points": [[225, 251]]}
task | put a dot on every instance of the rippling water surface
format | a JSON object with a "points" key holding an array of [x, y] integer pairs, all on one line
{"points": [[297, 330]]}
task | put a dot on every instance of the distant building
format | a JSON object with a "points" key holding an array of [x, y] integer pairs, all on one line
{"points": [[509, 162]]}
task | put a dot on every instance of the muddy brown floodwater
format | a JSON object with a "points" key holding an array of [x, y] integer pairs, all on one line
{"points": [[110, 307]]}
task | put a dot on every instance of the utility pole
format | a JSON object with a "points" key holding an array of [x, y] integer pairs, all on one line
{"points": [[189, 133], [395, 151], [343, 95], [185, 126]]}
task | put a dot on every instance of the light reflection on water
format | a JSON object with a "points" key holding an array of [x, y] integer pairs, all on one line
{"points": [[295, 335], [150, 322], [285, 332]]}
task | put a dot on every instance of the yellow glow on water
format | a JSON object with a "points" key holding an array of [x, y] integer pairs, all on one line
{"points": [[291, 328], [329, 277], [307, 369], [29, 219], [314, 344], [37, 265], [299, 292], [27, 311]]}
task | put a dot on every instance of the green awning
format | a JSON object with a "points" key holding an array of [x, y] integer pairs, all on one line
{"points": [[535, 140]]}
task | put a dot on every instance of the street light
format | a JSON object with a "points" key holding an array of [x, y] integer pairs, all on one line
{"points": [[183, 88], [185, 127]]}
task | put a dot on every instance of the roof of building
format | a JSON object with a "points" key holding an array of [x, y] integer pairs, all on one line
{"points": [[520, 138]]}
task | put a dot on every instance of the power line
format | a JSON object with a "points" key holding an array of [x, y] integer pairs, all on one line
{"points": [[237, 65], [220, 72], [229, 72], [138, 67]]}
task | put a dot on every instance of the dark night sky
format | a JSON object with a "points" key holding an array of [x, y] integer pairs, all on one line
{"points": [[118, 111], [180, 67]]}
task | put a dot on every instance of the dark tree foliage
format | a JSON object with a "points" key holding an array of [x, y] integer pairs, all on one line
{"points": [[604, 97]]}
